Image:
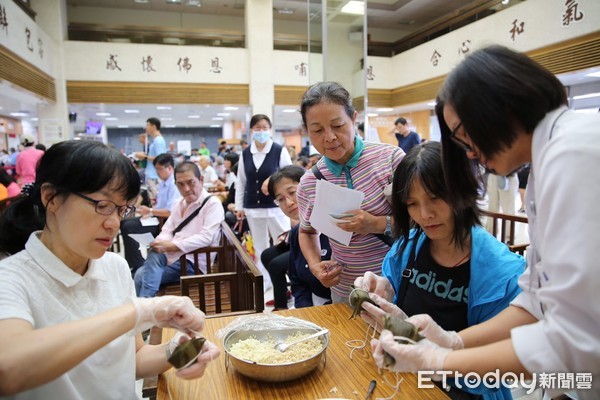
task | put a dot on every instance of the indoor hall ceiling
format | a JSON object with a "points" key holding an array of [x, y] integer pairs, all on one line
{"points": [[407, 15]]}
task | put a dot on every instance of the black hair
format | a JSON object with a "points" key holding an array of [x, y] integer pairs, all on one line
{"points": [[423, 163], [259, 117], [154, 121], [400, 121], [73, 166], [361, 127], [188, 166], [292, 172], [232, 157], [40, 146], [302, 160], [164, 159], [496, 92], [326, 92], [5, 178]]}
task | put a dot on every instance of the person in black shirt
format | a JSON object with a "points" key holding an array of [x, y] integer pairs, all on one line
{"points": [[444, 269]]}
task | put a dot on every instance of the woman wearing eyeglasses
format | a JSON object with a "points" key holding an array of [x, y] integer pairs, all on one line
{"points": [[69, 318], [501, 109]]}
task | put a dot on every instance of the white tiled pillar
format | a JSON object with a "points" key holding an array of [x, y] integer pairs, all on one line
{"points": [[53, 123], [259, 43]]}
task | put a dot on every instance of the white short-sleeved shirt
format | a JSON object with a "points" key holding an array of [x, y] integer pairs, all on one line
{"points": [[37, 287], [561, 284]]}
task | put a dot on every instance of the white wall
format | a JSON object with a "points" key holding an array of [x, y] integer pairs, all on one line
{"points": [[543, 27], [39, 51]]}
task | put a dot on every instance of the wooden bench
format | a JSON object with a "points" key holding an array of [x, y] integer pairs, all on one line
{"points": [[233, 285], [505, 223]]}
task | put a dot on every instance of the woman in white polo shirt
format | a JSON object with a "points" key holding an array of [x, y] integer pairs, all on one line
{"points": [[69, 318]]}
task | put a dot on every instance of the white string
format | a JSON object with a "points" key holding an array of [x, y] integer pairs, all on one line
{"points": [[361, 343], [396, 387]]}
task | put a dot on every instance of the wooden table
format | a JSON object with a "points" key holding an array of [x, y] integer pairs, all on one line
{"points": [[351, 377]]}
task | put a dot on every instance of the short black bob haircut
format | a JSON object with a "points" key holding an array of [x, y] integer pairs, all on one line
{"points": [[73, 166], [495, 93], [423, 163], [292, 172]]}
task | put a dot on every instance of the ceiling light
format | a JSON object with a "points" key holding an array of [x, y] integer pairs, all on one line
{"points": [[163, 107], [166, 118], [385, 109], [132, 111], [432, 104], [230, 108], [173, 1], [285, 11], [19, 114], [583, 96], [289, 110], [194, 116], [170, 126], [103, 114], [141, 1], [594, 74], [34, 119], [354, 7], [122, 126], [217, 118], [195, 3], [587, 110], [215, 126], [223, 114], [111, 119], [505, 2], [372, 115]]}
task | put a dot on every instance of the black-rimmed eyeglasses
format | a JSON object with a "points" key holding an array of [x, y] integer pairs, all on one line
{"points": [[459, 142], [107, 207]]}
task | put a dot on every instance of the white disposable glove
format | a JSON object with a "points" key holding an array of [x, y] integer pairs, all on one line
{"points": [[429, 329], [168, 311], [374, 316], [423, 356], [379, 285]]}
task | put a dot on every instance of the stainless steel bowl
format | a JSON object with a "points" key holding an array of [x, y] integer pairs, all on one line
{"points": [[273, 372]]}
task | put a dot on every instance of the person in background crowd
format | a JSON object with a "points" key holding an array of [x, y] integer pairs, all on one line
{"points": [[313, 157], [252, 201], [305, 151], [244, 144], [501, 109], [67, 306], [27, 160], [158, 146], [13, 156], [208, 172], [40, 146], [223, 149], [306, 289], [177, 237], [204, 151], [523, 175], [329, 117], [4, 158], [12, 187], [165, 197], [172, 149], [475, 275], [407, 139]]}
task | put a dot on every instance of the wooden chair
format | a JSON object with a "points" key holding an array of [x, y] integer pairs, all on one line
{"points": [[505, 223], [233, 285]]}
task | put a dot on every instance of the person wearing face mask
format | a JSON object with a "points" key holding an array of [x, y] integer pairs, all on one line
{"points": [[258, 162]]}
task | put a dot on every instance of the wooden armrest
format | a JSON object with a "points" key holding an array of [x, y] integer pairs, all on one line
{"points": [[150, 388]]}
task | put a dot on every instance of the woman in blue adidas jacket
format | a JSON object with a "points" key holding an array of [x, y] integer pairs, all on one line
{"points": [[458, 274]]}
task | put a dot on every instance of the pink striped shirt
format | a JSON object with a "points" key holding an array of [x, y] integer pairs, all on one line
{"points": [[374, 171]]}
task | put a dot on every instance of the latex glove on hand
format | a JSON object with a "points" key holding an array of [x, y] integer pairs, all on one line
{"points": [[423, 356], [429, 329], [374, 315], [168, 311], [379, 285]]}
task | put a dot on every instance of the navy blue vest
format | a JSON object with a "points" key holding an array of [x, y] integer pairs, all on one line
{"points": [[253, 196]]}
